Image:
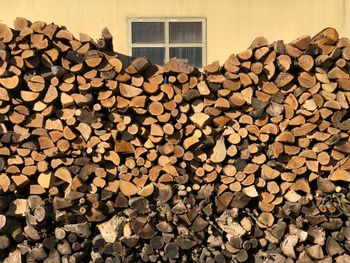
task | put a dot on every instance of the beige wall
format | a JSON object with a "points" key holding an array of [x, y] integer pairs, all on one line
{"points": [[231, 24]]}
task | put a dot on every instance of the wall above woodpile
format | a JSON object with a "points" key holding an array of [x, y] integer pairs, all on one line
{"points": [[231, 24]]}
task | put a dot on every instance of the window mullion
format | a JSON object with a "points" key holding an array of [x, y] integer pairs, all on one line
{"points": [[147, 45], [204, 42], [166, 30], [186, 45]]}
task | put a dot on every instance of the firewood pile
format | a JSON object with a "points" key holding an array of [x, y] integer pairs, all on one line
{"points": [[105, 162]]}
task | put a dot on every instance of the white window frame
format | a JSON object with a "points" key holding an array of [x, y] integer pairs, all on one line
{"points": [[166, 43]]}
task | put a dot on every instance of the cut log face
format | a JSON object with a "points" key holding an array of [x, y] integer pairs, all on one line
{"points": [[112, 229], [63, 174], [306, 80], [6, 34], [10, 82], [219, 151], [268, 173], [200, 119], [129, 91], [102, 160], [340, 175], [306, 62], [45, 180], [128, 188]]}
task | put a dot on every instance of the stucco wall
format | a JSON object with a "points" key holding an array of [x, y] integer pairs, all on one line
{"points": [[231, 24]]}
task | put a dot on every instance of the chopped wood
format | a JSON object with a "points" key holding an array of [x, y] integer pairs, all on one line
{"points": [[219, 151], [340, 175], [306, 80], [111, 230], [63, 174], [6, 34], [250, 191], [306, 62], [129, 91], [100, 159], [200, 119], [128, 188], [9, 82]]}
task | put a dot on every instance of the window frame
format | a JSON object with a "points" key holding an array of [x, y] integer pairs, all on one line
{"points": [[166, 45]]}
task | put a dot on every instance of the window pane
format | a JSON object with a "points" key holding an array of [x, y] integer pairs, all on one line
{"points": [[185, 32], [147, 32], [193, 55], [155, 54]]}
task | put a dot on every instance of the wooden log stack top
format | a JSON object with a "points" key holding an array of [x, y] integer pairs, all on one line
{"points": [[105, 162]]}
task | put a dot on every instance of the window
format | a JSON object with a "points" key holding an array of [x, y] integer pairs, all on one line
{"points": [[162, 39]]}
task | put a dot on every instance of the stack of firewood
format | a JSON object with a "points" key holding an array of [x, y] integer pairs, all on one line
{"points": [[105, 162]]}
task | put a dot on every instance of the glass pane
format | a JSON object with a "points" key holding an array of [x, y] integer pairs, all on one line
{"points": [[190, 55], [147, 32], [185, 32], [155, 54]]}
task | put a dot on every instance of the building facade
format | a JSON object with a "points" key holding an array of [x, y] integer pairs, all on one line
{"points": [[198, 31]]}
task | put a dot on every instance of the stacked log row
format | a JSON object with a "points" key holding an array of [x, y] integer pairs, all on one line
{"points": [[105, 162]]}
